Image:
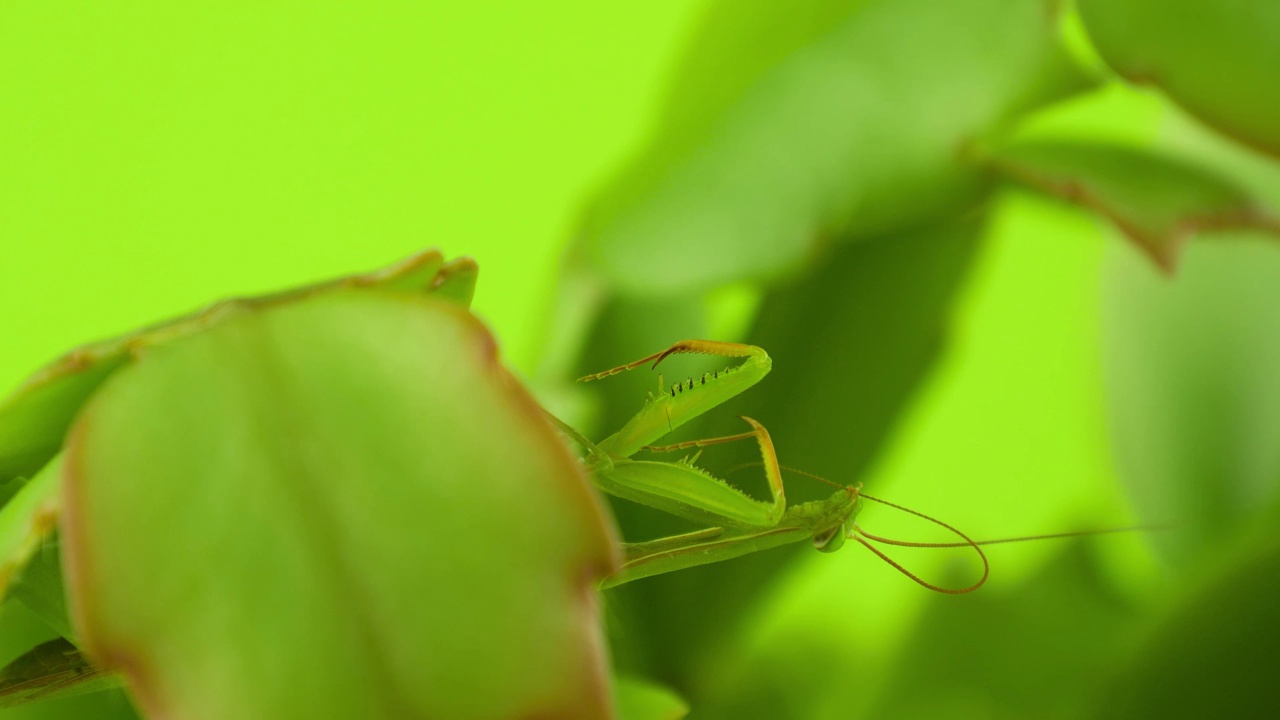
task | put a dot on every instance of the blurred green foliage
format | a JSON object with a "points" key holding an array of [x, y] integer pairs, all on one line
{"points": [[868, 272], [297, 474], [789, 122], [1158, 201], [1217, 59], [872, 190], [276, 445]]}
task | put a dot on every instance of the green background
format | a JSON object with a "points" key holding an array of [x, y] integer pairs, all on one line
{"points": [[155, 157], [158, 157]]}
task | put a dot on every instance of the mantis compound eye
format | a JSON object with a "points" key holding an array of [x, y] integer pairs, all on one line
{"points": [[829, 540]]}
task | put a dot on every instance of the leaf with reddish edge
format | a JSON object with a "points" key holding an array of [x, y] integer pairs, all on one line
{"points": [[343, 507], [1158, 201], [1217, 58], [35, 417]]}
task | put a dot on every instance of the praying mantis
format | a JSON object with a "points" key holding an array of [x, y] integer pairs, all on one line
{"points": [[739, 524]]}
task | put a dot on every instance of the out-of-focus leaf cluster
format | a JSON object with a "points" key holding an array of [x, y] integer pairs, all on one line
{"points": [[899, 200], [839, 178], [273, 508]]}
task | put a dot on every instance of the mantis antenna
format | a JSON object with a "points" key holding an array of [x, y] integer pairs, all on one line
{"points": [[1048, 536], [968, 542], [860, 534]]}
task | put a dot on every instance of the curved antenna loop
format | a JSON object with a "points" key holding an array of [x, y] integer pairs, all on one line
{"points": [[859, 534]]}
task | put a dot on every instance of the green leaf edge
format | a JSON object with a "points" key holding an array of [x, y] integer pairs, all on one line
{"points": [[1162, 249], [425, 272]]}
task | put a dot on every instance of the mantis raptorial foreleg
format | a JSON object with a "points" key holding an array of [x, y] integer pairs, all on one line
{"points": [[768, 455], [682, 488], [698, 347]]}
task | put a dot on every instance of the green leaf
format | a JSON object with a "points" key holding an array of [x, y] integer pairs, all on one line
{"points": [[341, 507], [1193, 398], [38, 586], [1216, 58], [641, 700], [20, 632], [855, 339], [1215, 653], [1011, 655], [55, 669], [456, 281], [789, 125], [34, 419], [1159, 202], [26, 520], [1000, 652]]}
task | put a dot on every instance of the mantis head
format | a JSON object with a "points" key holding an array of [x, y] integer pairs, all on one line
{"points": [[847, 502]]}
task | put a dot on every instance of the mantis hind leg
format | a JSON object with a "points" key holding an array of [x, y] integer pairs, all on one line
{"points": [[768, 457]]}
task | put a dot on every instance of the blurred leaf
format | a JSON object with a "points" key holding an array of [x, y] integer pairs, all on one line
{"points": [[27, 520], [456, 281], [385, 524], [1034, 652], [34, 419], [1215, 654], [39, 587], [51, 670], [1193, 393], [1184, 134], [110, 704], [849, 345], [789, 679], [20, 631], [856, 338], [1217, 58], [640, 700], [60, 691], [1158, 201], [998, 653], [788, 125]]}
